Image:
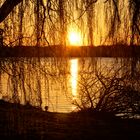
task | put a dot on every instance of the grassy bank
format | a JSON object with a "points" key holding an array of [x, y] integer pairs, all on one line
{"points": [[26, 122]]}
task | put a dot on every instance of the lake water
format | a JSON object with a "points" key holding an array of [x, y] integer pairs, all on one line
{"points": [[57, 82]]}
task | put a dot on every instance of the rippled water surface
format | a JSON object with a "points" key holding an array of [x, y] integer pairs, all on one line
{"points": [[53, 82]]}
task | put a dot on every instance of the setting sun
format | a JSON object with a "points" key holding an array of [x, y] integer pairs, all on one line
{"points": [[75, 38]]}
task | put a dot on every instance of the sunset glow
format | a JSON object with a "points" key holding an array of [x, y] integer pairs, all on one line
{"points": [[75, 38]]}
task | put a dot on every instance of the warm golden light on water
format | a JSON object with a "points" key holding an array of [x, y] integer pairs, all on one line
{"points": [[74, 76]]}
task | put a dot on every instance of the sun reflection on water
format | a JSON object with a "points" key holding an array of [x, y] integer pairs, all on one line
{"points": [[74, 76]]}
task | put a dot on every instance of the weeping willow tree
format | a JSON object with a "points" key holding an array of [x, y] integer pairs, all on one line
{"points": [[47, 22], [110, 21]]}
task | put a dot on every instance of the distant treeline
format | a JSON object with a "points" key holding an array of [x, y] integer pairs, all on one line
{"points": [[69, 51]]}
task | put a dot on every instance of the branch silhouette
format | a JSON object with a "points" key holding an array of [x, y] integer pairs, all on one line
{"points": [[7, 7]]}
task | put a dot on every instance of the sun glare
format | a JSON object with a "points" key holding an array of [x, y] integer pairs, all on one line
{"points": [[75, 39]]}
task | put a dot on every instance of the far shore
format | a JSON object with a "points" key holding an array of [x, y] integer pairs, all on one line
{"points": [[70, 51]]}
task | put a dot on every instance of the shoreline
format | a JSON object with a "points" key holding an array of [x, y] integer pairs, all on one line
{"points": [[70, 51], [20, 122]]}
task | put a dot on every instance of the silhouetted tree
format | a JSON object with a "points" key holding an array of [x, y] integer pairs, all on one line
{"points": [[108, 90], [113, 10]]}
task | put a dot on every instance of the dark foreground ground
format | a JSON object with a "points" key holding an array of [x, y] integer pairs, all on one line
{"points": [[27, 123]]}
